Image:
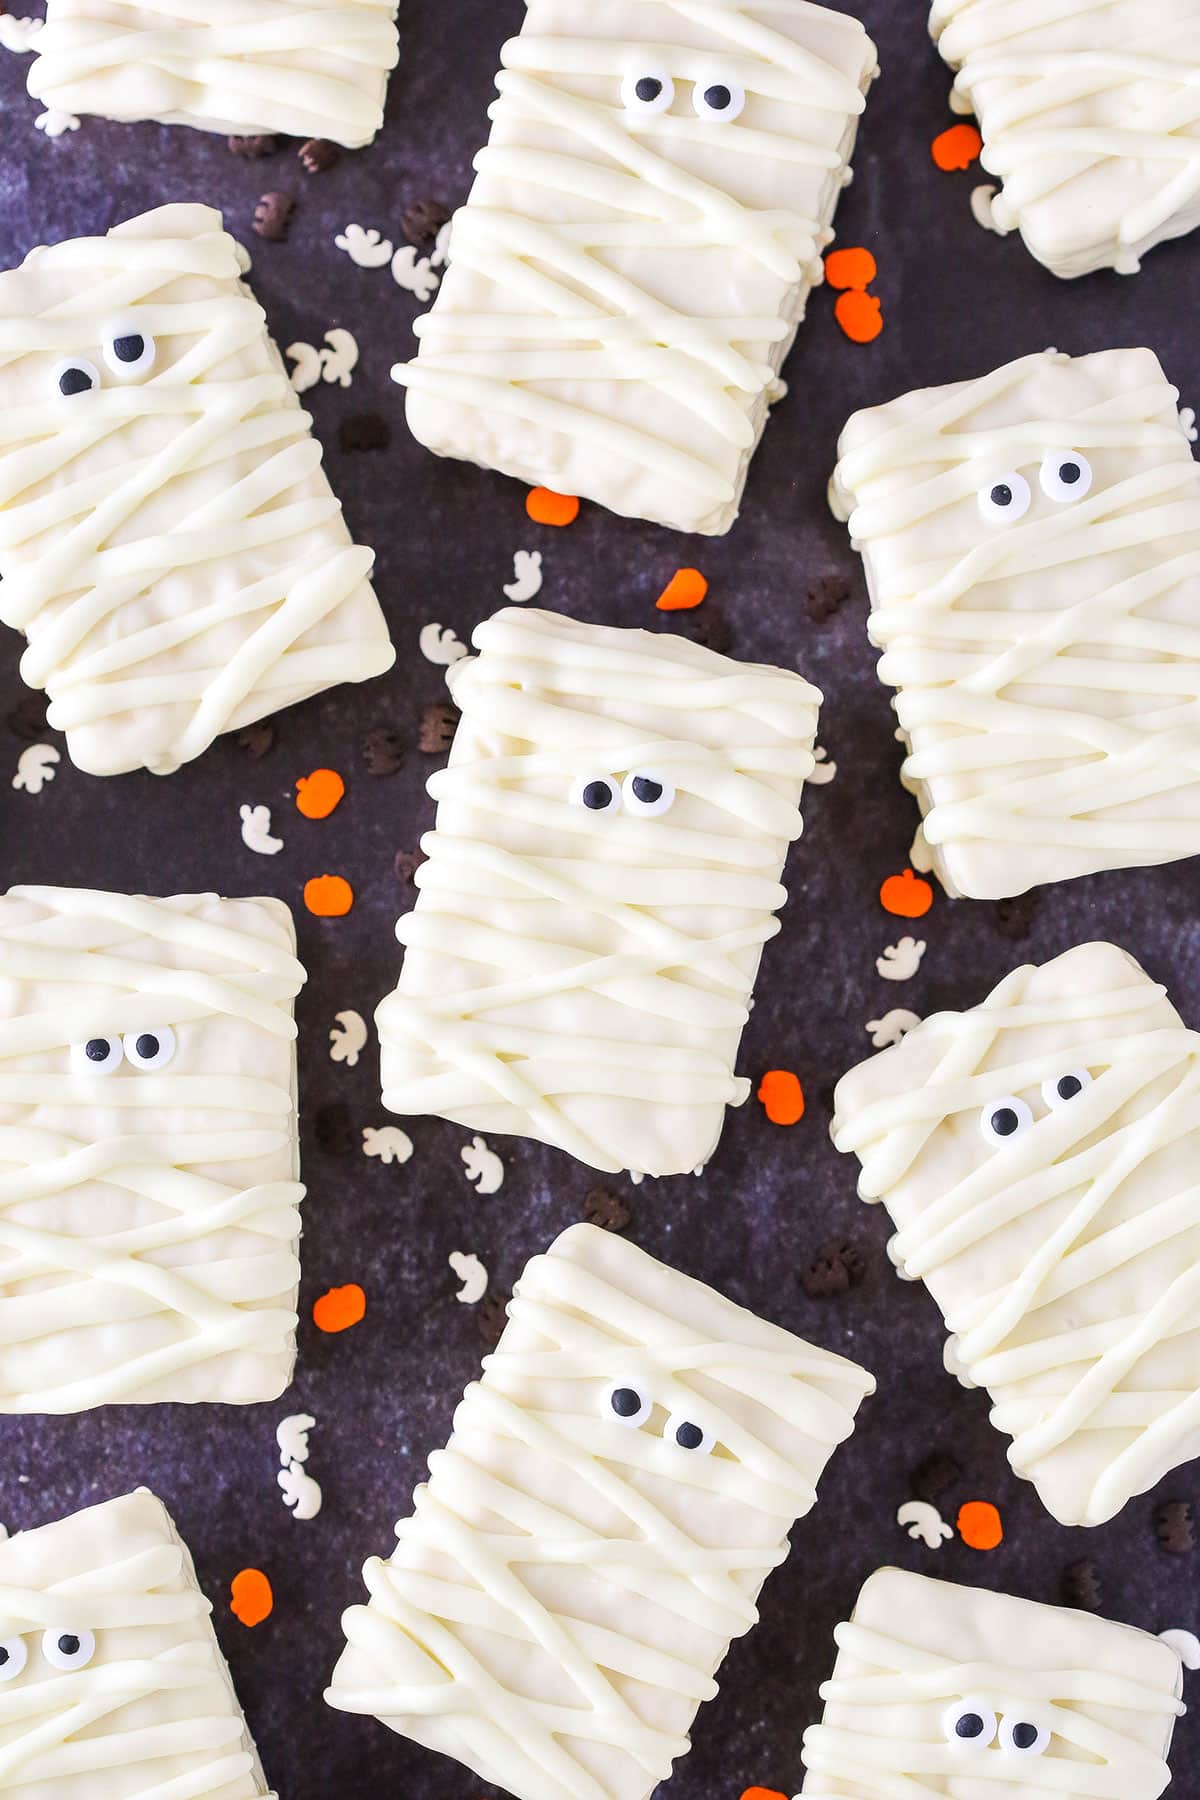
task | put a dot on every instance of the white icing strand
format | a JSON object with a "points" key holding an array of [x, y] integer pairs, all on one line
{"points": [[148, 1217], [562, 346], [318, 69], [168, 541], [566, 1585], [583, 979], [1090, 115]]}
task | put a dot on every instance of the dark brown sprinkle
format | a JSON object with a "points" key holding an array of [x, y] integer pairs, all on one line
{"points": [[607, 1210], [1081, 1585], [383, 751], [422, 221], [825, 595], [406, 863], [935, 1476], [1174, 1527], [436, 731], [1014, 917], [257, 738], [364, 431], [334, 1129], [27, 720], [834, 1269], [490, 1319], [273, 216], [318, 155], [265, 144], [708, 625]]}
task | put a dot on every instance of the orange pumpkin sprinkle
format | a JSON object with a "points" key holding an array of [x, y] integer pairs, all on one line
{"points": [[340, 1308], [250, 1597], [906, 895], [317, 794], [686, 588], [782, 1096], [859, 315], [853, 267], [328, 896], [760, 1793], [545, 507], [979, 1525], [956, 148]]}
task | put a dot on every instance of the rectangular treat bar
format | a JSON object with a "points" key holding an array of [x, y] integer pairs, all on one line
{"points": [[169, 543], [947, 1690], [605, 871], [648, 218], [616, 1489], [112, 1684], [1090, 119], [1038, 1155], [308, 68], [149, 1187], [1031, 542]]}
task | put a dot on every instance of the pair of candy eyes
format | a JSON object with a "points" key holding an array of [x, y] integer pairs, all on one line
{"points": [[141, 1049], [643, 794], [1004, 1119], [648, 90], [64, 1650], [629, 1405], [1062, 478], [126, 351], [969, 1725]]}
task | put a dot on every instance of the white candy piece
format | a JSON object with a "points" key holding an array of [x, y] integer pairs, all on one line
{"points": [[1031, 542], [123, 1693], [169, 543], [947, 1690], [618, 1486], [149, 1200], [1038, 1156], [611, 830], [314, 70], [1089, 118], [635, 256]]}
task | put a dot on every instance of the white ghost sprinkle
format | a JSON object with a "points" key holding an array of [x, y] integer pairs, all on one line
{"points": [[901, 961], [291, 1434], [892, 1027], [483, 1166], [526, 583], [365, 248], [347, 1038], [415, 273], [472, 1274], [300, 1492], [256, 831], [388, 1143], [36, 766], [440, 645], [923, 1520]]}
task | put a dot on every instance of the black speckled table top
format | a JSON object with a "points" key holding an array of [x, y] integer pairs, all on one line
{"points": [[956, 301]]}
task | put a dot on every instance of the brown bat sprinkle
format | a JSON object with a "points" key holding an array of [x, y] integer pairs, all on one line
{"points": [[273, 216], [318, 155], [435, 733], [254, 148]]}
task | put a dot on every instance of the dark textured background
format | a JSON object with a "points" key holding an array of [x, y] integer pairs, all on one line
{"points": [[957, 301]]}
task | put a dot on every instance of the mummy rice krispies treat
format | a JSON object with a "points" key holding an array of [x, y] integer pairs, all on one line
{"points": [[1038, 1155], [604, 874], [169, 543], [946, 1690], [648, 218], [617, 1487], [310, 68], [1090, 118], [149, 1192], [112, 1684], [1031, 542]]}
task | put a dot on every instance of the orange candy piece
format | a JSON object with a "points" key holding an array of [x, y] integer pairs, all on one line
{"points": [[850, 268], [686, 588], [340, 1308], [757, 1793], [956, 148], [979, 1525], [906, 895], [250, 1597], [328, 896], [545, 507], [782, 1096], [859, 315], [317, 794]]}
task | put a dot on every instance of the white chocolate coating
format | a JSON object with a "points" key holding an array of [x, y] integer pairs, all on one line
{"points": [[1090, 114], [1047, 669], [584, 979], [624, 285], [169, 543], [153, 1714], [310, 68], [1065, 1259], [148, 1217], [567, 1586], [1104, 1698]]}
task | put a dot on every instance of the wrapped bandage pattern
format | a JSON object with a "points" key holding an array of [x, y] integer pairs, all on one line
{"points": [[1038, 1156], [112, 1685], [1031, 542], [947, 1690], [1090, 120], [617, 1487], [169, 542], [149, 1192], [603, 876], [308, 68], [648, 218]]}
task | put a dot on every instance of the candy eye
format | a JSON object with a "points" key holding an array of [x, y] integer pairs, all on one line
{"points": [[647, 91], [1065, 476], [1004, 1119], [1023, 1737], [597, 794], [648, 794], [969, 1724], [627, 1404], [1062, 1088], [685, 1434], [150, 1049], [718, 99], [1006, 499], [76, 376], [68, 1649], [129, 351], [13, 1657], [97, 1056]]}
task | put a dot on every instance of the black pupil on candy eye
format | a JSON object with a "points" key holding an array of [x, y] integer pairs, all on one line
{"points": [[626, 1403], [147, 1046], [717, 99], [597, 795], [4, 1656], [648, 89], [1024, 1735], [97, 1050], [1068, 1086], [1004, 1123], [1069, 472], [969, 1725], [128, 349], [1002, 494], [68, 1645], [74, 381], [647, 791], [689, 1436]]}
